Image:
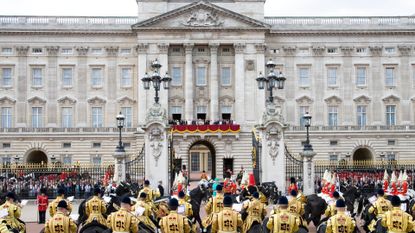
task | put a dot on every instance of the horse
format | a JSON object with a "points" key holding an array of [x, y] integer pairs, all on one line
{"points": [[93, 227], [314, 209], [197, 195], [270, 190]]}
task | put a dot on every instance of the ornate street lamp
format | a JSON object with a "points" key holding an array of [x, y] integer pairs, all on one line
{"points": [[53, 159], [120, 124], [273, 80], [156, 80], [16, 159], [308, 155], [307, 124]]}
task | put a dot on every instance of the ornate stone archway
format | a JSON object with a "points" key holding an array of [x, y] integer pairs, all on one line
{"points": [[200, 144], [363, 154], [36, 156]]}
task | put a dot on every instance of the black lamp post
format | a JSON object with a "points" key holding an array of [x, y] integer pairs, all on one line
{"points": [[272, 80], [307, 124], [53, 159], [16, 159], [120, 124], [156, 79]]}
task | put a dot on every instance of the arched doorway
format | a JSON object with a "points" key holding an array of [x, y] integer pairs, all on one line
{"points": [[37, 156], [202, 157], [362, 154]]}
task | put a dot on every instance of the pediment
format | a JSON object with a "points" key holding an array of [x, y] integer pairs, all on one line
{"points": [[36, 100], [125, 100], [67, 100], [304, 99], [391, 99], [226, 100], [201, 15], [7, 100], [176, 99], [362, 99], [333, 100], [97, 100]]}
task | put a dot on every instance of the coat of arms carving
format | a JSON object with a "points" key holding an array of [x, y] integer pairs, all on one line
{"points": [[203, 18]]}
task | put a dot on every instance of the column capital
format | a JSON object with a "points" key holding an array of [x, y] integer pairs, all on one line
{"points": [[52, 50], [405, 49], [82, 51], [376, 50], [239, 47], [112, 51], [22, 50], [142, 48], [163, 47], [214, 47], [188, 47], [260, 48]]}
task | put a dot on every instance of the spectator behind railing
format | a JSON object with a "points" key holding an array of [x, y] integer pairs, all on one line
{"points": [[202, 122]]}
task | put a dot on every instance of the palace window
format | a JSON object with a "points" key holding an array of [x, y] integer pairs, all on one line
{"points": [[67, 76], [37, 76], [332, 50], [201, 76], [37, 117], [96, 160], [176, 112], [67, 159], [195, 161], [125, 51], [66, 145], [96, 145], [6, 77], [6, 160], [391, 156], [6, 145], [389, 76], [332, 76], [96, 77], [390, 49], [96, 51], [201, 112], [304, 77], [176, 75], [333, 142], [67, 51], [391, 142], [97, 117], [333, 112], [6, 117], [126, 77], [67, 117], [37, 50], [361, 50], [226, 112], [128, 114], [6, 51], [225, 76], [333, 158], [390, 115], [361, 115], [361, 76]]}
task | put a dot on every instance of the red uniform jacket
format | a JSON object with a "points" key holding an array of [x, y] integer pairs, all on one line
{"points": [[292, 187], [42, 202], [229, 187]]}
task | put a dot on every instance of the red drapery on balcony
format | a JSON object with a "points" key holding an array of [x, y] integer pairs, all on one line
{"points": [[206, 128]]}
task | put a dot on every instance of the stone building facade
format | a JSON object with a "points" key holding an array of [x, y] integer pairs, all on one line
{"points": [[64, 79]]}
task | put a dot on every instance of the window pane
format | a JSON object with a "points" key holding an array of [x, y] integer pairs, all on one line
{"points": [[36, 77], [201, 76], [176, 110], [67, 160], [195, 161], [97, 117], [96, 77], [37, 117], [67, 76], [361, 76], [201, 109], [226, 76], [96, 160], [7, 76], [128, 114], [67, 117], [6, 117], [209, 162], [361, 115], [226, 109], [332, 76], [390, 114], [332, 115], [304, 77], [126, 75], [389, 76], [176, 76]]}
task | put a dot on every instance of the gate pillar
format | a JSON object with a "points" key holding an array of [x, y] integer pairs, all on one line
{"points": [[308, 171], [271, 133], [119, 169], [156, 146]]}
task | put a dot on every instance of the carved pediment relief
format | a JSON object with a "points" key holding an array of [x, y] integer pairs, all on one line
{"points": [[201, 14], [7, 100], [96, 100], [304, 100], [36, 100], [67, 100], [391, 99], [278, 100], [362, 99], [333, 100], [202, 101], [226, 100], [176, 100], [126, 100]]}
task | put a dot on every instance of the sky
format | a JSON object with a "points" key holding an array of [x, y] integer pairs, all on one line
{"points": [[272, 7]]}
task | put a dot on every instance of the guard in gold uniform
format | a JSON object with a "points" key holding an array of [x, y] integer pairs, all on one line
{"points": [[95, 208], [144, 217], [379, 208], [227, 220], [284, 221], [256, 212], [123, 221], [295, 206], [3, 227], [340, 222], [397, 220], [331, 208], [174, 222], [188, 211], [213, 206], [60, 222], [54, 203], [151, 194], [14, 212]]}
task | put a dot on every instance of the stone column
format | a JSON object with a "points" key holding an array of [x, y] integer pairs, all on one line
{"points": [[141, 70], [188, 85], [214, 82], [308, 171], [22, 89], [52, 86], [119, 170], [112, 108], [82, 85], [164, 61], [239, 83], [260, 94]]}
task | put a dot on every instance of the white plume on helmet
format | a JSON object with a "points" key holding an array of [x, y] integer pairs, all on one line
{"points": [[400, 176], [393, 178], [404, 176], [385, 175]]}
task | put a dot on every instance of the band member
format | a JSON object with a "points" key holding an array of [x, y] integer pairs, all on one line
{"points": [[95, 208], [188, 211], [123, 220], [174, 222], [331, 208], [379, 208], [54, 203], [14, 211], [145, 214], [151, 194], [42, 202], [227, 220], [256, 211], [340, 222], [3, 227], [396, 220], [60, 222], [213, 206], [283, 221]]}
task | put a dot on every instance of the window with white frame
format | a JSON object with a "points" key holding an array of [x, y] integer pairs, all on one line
{"points": [[37, 117], [333, 158], [96, 160], [361, 76], [6, 77], [67, 117], [96, 77], [126, 76], [201, 76], [201, 112], [303, 110], [389, 76], [226, 112], [97, 117], [6, 51], [67, 51], [195, 161], [67, 76], [332, 76], [6, 160], [128, 114], [96, 51], [37, 50], [176, 112], [125, 51], [67, 159], [332, 50], [37, 76], [176, 76], [390, 115], [6, 117], [304, 76], [390, 49], [333, 112], [361, 115], [361, 50], [391, 156], [225, 76]]}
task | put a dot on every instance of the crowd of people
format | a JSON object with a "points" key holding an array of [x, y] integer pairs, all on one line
{"points": [[202, 122]]}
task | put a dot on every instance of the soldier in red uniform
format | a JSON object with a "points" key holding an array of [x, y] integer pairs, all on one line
{"points": [[293, 185], [229, 187], [42, 202]]}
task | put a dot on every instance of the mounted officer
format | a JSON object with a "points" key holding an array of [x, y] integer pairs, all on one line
{"points": [[60, 222], [340, 222], [227, 220], [123, 221], [256, 211], [54, 203], [283, 221], [397, 220], [151, 194], [145, 215], [174, 222], [379, 208], [95, 208], [14, 211]]}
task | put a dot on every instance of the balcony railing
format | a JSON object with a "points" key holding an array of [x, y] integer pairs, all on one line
{"points": [[352, 20], [66, 130], [67, 20], [355, 128]]}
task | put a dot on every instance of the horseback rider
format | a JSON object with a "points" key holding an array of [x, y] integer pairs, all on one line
{"points": [[213, 206], [174, 222], [397, 220], [14, 211], [379, 208], [146, 211], [3, 227], [331, 208], [340, 222], [60, 222], [227, 220], [151, 194], [123, 221], [188, 211], [54, 203], [95, 208], [283, 221], [256, 211]]}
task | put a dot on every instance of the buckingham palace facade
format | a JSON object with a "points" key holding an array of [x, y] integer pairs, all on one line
{"points": [[64, 79]]}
